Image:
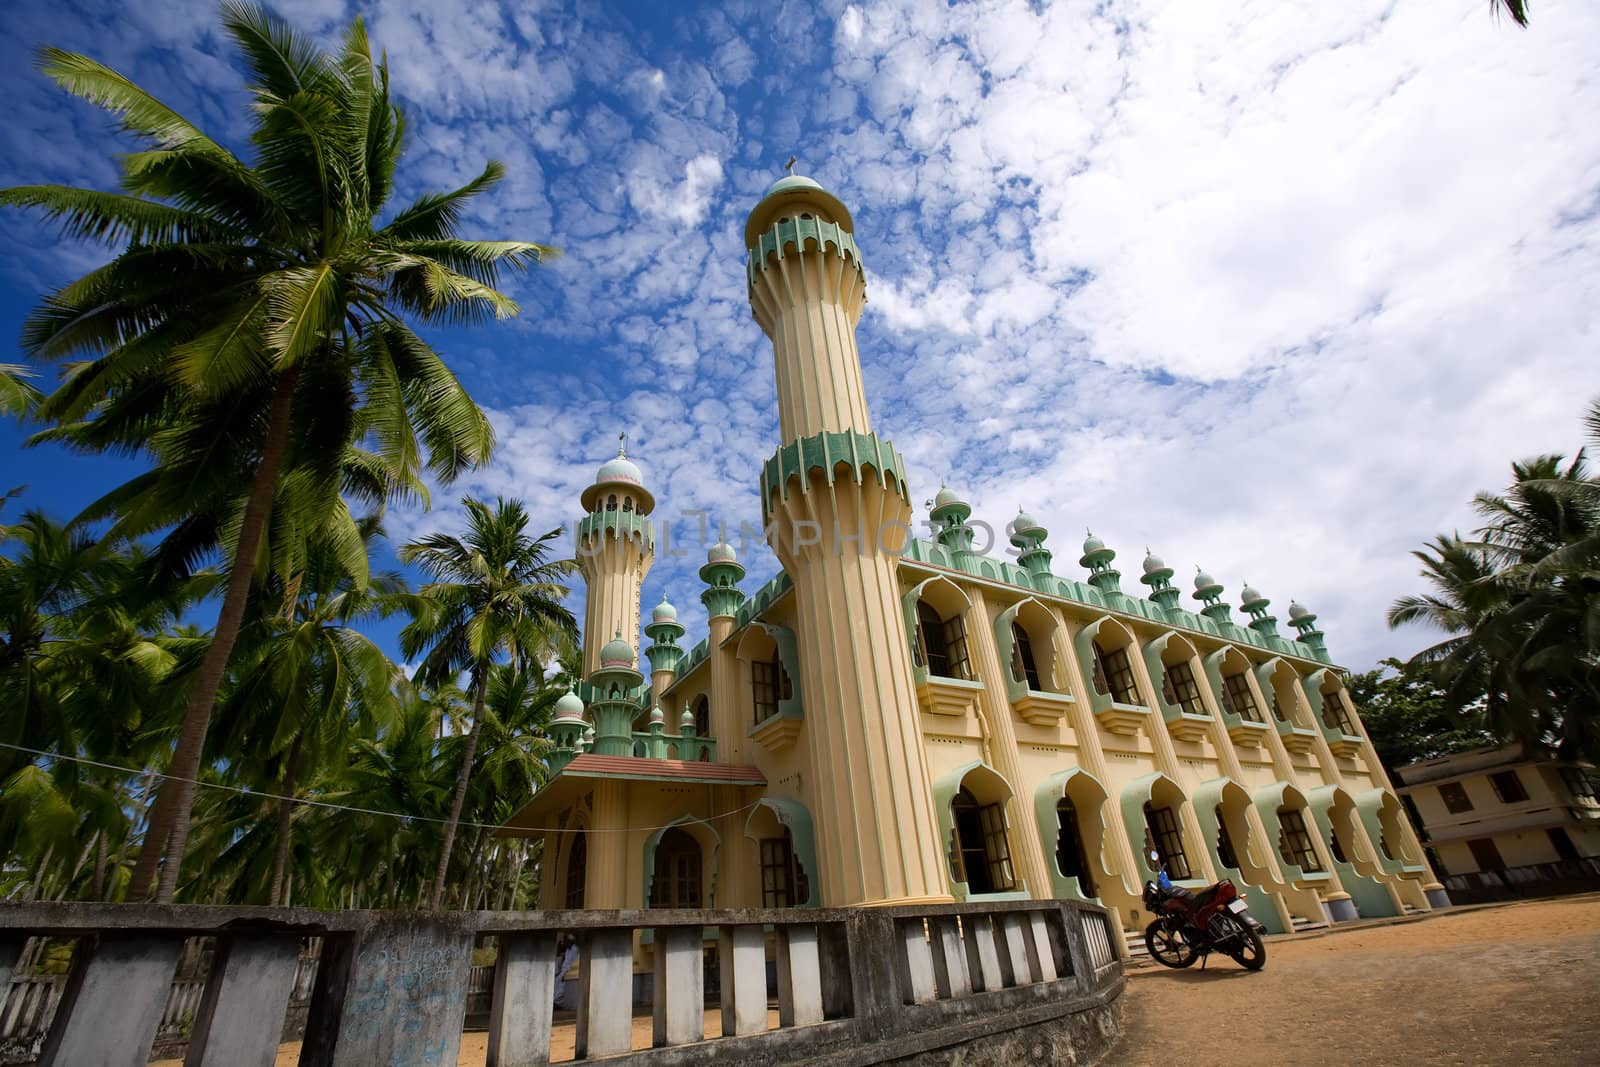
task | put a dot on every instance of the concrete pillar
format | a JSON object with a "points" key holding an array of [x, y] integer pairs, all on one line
{"points": [[111, 1007], [605, 997], [679, 985], [950, 958], [1041, 959], [799, 976], [1014, 966], [606, 883], [983, 955], [914, 961], [524, 994], [241, 1015], [742, 962]]}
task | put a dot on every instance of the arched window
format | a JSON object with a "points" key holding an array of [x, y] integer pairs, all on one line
{"points": [[783, 880], [1294, 842], [769, 683], [702, 717], [1167, 839], [982, 851], [943, 643], [677, 880], [1023, 667], [577, 870], [1237, 698], [1225, 852], [627, 503], [638, 748], [611, 502], [1334, 713], [1071, 860], [1113, 674]]}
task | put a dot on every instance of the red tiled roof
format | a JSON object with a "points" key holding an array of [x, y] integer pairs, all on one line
{"points": [[590, 764]]}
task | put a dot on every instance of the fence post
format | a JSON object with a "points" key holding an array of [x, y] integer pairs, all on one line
{"points": [[799, 976], [241, 1012], [680, 975], [523, 1000], [112, 1005]]}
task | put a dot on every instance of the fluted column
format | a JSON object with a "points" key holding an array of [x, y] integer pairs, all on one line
{"points": [[614, 566]]}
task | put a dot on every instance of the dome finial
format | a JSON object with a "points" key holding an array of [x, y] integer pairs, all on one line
{"points": [[788, 168], [622, 445]]}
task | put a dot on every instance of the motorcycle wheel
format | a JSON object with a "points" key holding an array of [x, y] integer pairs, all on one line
{"points": [[1252, 955], [1167, 947]]}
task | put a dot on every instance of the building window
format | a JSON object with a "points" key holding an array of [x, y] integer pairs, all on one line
{"points": [[1485, 855], [783, 882], [577, 870], [1335, 849], [702, 717], [1225, 853], [1295, 842], [982, 850], [677, 880], [611, 502], [1455, 798], [627, 504], [943, 643], [1236, 696], [1182, 689], [769, 684], [1565, 849], [1335, 715], [1508, 787], [1167, 840], [1114, 675], [1071, 859], [1579, 785], [1023, 668]]}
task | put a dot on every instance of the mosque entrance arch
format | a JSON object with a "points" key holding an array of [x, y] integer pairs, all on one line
{"points": [[677, 871]]}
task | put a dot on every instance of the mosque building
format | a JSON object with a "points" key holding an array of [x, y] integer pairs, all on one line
{"points": [[896, 720]]}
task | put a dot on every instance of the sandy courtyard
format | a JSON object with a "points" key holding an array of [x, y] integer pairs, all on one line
{"points": [[1509, 985], [1518, 985]]}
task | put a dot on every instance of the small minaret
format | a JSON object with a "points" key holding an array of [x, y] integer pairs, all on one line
{"points": [[1097, 560], [566, 731], [1255, 605], [1305, 621], [616, 546], [1028, 536], [664, 654], [1158, 576], [1208, 591], [615, 686], [871, 793], [950, 514], [722, 597]]}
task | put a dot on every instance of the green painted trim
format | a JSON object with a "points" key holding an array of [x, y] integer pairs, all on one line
{"points": [[1369, 805], [795, 817], [1208, 797], [945, 788], [762, 599], [913, 625], [789, 654], [1135, 795], [1152, 652], [1045, 797], [618, 524], [788, 238], [1268, 799], [824, 452], [1371, 898]]}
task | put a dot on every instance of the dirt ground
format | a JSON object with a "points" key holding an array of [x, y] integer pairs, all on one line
{"points": [[1518, 984]]}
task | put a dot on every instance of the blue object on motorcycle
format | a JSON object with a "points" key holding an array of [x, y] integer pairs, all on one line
{"points": [[1162, 881]]}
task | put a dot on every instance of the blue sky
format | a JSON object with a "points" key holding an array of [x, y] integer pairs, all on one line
{"points": [[1269, 286]]}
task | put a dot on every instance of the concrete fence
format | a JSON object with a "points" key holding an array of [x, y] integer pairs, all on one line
{"points": [[992, 982], [1534, 880]]}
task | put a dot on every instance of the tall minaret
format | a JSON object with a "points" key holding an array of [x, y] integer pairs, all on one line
{"points": [[616, 545], [838, 514]]}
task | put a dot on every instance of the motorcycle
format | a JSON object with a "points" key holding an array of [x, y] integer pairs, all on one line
{"points": [[1190, 926]]}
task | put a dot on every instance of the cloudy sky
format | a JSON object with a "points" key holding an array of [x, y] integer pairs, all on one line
{"points": [[1272, 286]]}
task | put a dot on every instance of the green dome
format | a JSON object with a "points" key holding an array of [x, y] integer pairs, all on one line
{"points": [[657, 716], [617, 473], [1203, 582], [790, 182], [569, 708], [620, 469], [1153, 563], [722, 552], [617, 653], [686, 719], [946, 496], [1092, 544], [1298, 610], [664, 612], [1250, 595], [794, 192]]}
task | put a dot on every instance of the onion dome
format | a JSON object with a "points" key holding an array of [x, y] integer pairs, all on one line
{"points": [[946, 495], [948, 507], [617, 653], [1202, 580], [1251, 599], [1025, 530], [1093, 544], [722, 552], [664, 611], [1298, 610], [569, 708], [657, 716], [617, 474], [686, 720], [1152, 563]]}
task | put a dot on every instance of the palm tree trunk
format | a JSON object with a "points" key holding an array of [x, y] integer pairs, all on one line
{"points": [[98, 886], [480, 685], [38, 876], [83, 857], [280, 854], [185, 767], [144, 816]]}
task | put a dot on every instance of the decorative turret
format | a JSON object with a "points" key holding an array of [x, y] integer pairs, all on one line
{"points": [[566, 730], [722, 574], [686, 723], [1208, 591], [1255, 605], [950, 514], [664, 654], [1305, 621], [616, 546], [1097, 559], [1158, 576], [615, 703], [1028, 536]]}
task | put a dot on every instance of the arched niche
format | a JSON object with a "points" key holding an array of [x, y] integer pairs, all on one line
{"points": [[1234, 686], [784, 817], [1032, 643], [936, 617], [1280, 686], [769, 672], [1340, 825], [1143, 801], [1325, 692], [1293, 831], [1174, 666], [1106, 648], [972, 805], [1384, 821], [705, 836], [1222, 806], [1085, 799]]}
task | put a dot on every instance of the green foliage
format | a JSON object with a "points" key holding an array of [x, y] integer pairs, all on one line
{"points": [[1409, 718], [1520, 601]]}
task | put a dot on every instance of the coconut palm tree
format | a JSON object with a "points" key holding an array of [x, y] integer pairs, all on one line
{"points": [[1516, 10], [254, 327], [496, 594]]}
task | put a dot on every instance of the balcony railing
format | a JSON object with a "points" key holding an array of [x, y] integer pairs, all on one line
{"points": [[852, 986]]}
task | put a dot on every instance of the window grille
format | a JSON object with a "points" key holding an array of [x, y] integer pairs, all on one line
{"points": [[1295, 842], [1117, 672], [1185, 691], [1335, 714], [1236, 692], [783, 883], [1167, 840]]}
